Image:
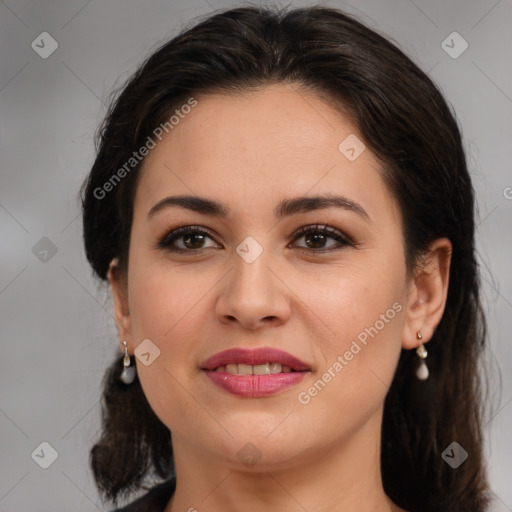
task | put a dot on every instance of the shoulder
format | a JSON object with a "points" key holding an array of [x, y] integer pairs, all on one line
{"points": [[155, 500]]}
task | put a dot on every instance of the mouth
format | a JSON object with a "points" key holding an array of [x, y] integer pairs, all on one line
{"points": [[254, 373]]}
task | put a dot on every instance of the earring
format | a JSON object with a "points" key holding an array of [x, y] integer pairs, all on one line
{"points": [[128, 373], [422, 370]]}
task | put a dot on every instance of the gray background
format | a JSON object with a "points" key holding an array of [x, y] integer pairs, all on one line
{"points": [[57, 330]]}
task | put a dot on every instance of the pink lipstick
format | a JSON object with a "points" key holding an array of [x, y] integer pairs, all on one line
{"points": [[254, 373]]}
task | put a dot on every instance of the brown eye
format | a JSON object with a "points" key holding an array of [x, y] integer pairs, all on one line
{"points": [[317, 236], [189, 238]]}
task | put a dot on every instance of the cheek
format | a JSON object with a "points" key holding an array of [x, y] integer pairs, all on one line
{"points": [[358, 363], [161, 308], [353, 298], [361, 314], [161, 299], [164, 308]]}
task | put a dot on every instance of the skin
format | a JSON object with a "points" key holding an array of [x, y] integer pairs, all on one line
{"points": [[249, 151]]}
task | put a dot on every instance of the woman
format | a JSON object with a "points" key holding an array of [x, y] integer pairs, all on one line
{"points": [[281, 206]]}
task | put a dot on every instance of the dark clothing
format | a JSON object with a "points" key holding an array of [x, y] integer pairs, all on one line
{"points": [[155, 500]]}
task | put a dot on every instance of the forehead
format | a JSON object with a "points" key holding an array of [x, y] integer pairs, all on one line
{"points": [[260, 146], [281, 120]]}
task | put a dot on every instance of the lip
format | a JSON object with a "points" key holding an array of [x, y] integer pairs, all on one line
{"points": [[254, 386], [260, 355]]}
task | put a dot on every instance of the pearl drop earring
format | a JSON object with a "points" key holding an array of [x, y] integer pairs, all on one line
{"points": [[422, 370], [128, 373]]}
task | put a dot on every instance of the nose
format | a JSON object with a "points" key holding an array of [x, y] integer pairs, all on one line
{"points": [[254, 295]]}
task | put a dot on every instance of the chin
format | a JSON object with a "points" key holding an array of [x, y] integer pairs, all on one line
{"points": [[259, 449]]}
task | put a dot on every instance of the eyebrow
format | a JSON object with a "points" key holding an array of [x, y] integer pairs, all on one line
{"points": [[286, 207]]}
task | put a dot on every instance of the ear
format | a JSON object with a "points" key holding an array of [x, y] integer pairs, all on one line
{"points": [[427, 292], [119, 289]]}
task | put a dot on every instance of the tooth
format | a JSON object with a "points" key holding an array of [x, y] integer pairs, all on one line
{"points": [[245, 369], [275, 368], [261, 369], [258, 369], [232, 368]]}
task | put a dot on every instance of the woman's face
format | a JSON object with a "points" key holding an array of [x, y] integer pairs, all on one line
{"points": [[248, 280]]}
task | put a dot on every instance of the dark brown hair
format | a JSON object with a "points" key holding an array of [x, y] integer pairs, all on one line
{"points": [[404, 119]]}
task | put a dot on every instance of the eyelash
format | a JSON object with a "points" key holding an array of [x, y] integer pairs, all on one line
{"points": [[166, 241]]}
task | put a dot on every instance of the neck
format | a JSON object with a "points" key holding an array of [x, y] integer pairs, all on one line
{"points": [[344, 477]]}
